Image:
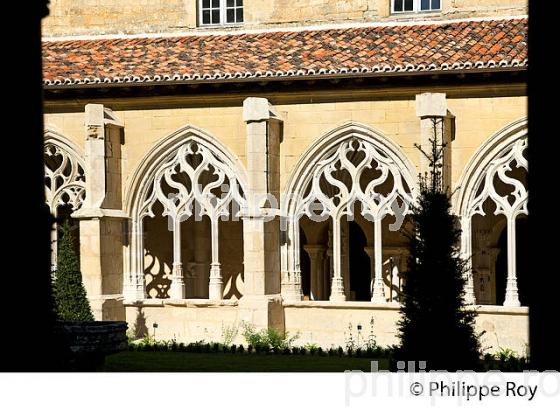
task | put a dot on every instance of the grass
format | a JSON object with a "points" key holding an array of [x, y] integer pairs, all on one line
{"points": [[131, 361]]}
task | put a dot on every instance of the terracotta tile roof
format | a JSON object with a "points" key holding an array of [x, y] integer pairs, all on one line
{"points": [[368, 50]]}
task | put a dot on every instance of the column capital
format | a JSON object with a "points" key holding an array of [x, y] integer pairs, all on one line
{"points": [[431, 105], [314, 250], [256, 109]]}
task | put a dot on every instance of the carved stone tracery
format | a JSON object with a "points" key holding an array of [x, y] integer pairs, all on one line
{"points": [[64, 178]]}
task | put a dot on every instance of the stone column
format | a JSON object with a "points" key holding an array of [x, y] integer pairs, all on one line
{"points": [[177, 287], [102, 220], [370, 253], [433, 113], [337, 283], [378, 294], [216, 284], [512, 296], [261, 303], [134, 285], [315, 253], [466, 254]]}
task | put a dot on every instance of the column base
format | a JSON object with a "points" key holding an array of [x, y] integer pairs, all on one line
{"points": [[512, 296], [134, 292], [262, 311], [215, 291], [378, 295], [291, 292], [512, 303], [216, 285], [338, 297], [337, 291]]}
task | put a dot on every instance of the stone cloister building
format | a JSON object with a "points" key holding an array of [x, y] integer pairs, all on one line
{"points": [[227, 161]]}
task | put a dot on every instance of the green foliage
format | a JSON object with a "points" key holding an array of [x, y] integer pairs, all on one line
{"points": [[229, 333], [506, 354], [505, 360], [435, 325], [70, 297], [267, 339]]}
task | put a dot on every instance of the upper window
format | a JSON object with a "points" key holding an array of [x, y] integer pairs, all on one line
{"points": [[220, 12], [409, 6]]}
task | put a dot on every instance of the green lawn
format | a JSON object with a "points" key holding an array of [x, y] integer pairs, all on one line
{"points": [[227, 362]]}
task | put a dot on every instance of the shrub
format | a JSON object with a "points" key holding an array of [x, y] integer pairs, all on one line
{"points": [[267, 339], [433, 292], [70, 298], [229, 333]]}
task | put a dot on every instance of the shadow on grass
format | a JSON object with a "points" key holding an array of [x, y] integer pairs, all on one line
{"points": [[225, 362]]}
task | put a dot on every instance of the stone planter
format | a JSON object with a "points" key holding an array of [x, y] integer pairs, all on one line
{"points": [[85, 344]]}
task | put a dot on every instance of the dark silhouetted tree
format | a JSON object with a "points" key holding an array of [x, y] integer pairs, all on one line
{"points": [[69, 293], [435, 325]]}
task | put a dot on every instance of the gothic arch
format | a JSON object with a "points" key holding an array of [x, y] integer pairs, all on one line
{"points": [[65, 177], [64, 173], [480, 163], [164, 149], [182, 174], [352, 149], [489, 180]]}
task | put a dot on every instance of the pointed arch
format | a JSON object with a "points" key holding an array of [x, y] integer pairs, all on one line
{"points": [[184, 170], [476, 171], [65, 180], [501, 154], [164, 150], [64, 171], [301, 174], [352, 162]]}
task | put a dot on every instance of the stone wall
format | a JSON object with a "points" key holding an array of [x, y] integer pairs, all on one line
{"points": [[477, 119], [328, 324], [186, 320], [92, 17]]}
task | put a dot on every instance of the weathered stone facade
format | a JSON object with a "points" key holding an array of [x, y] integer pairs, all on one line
{"points": [[147, 260], [93, 17]]}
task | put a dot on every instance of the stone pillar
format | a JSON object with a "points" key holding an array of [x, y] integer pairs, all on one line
{"points": [[216, 284], [466, 254], [378, 293], [134, 284], [512, 296], [102, 221], [435, 122], [337, 284], [177, 286], [261, 303], [315, 253], [369, 250]]}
